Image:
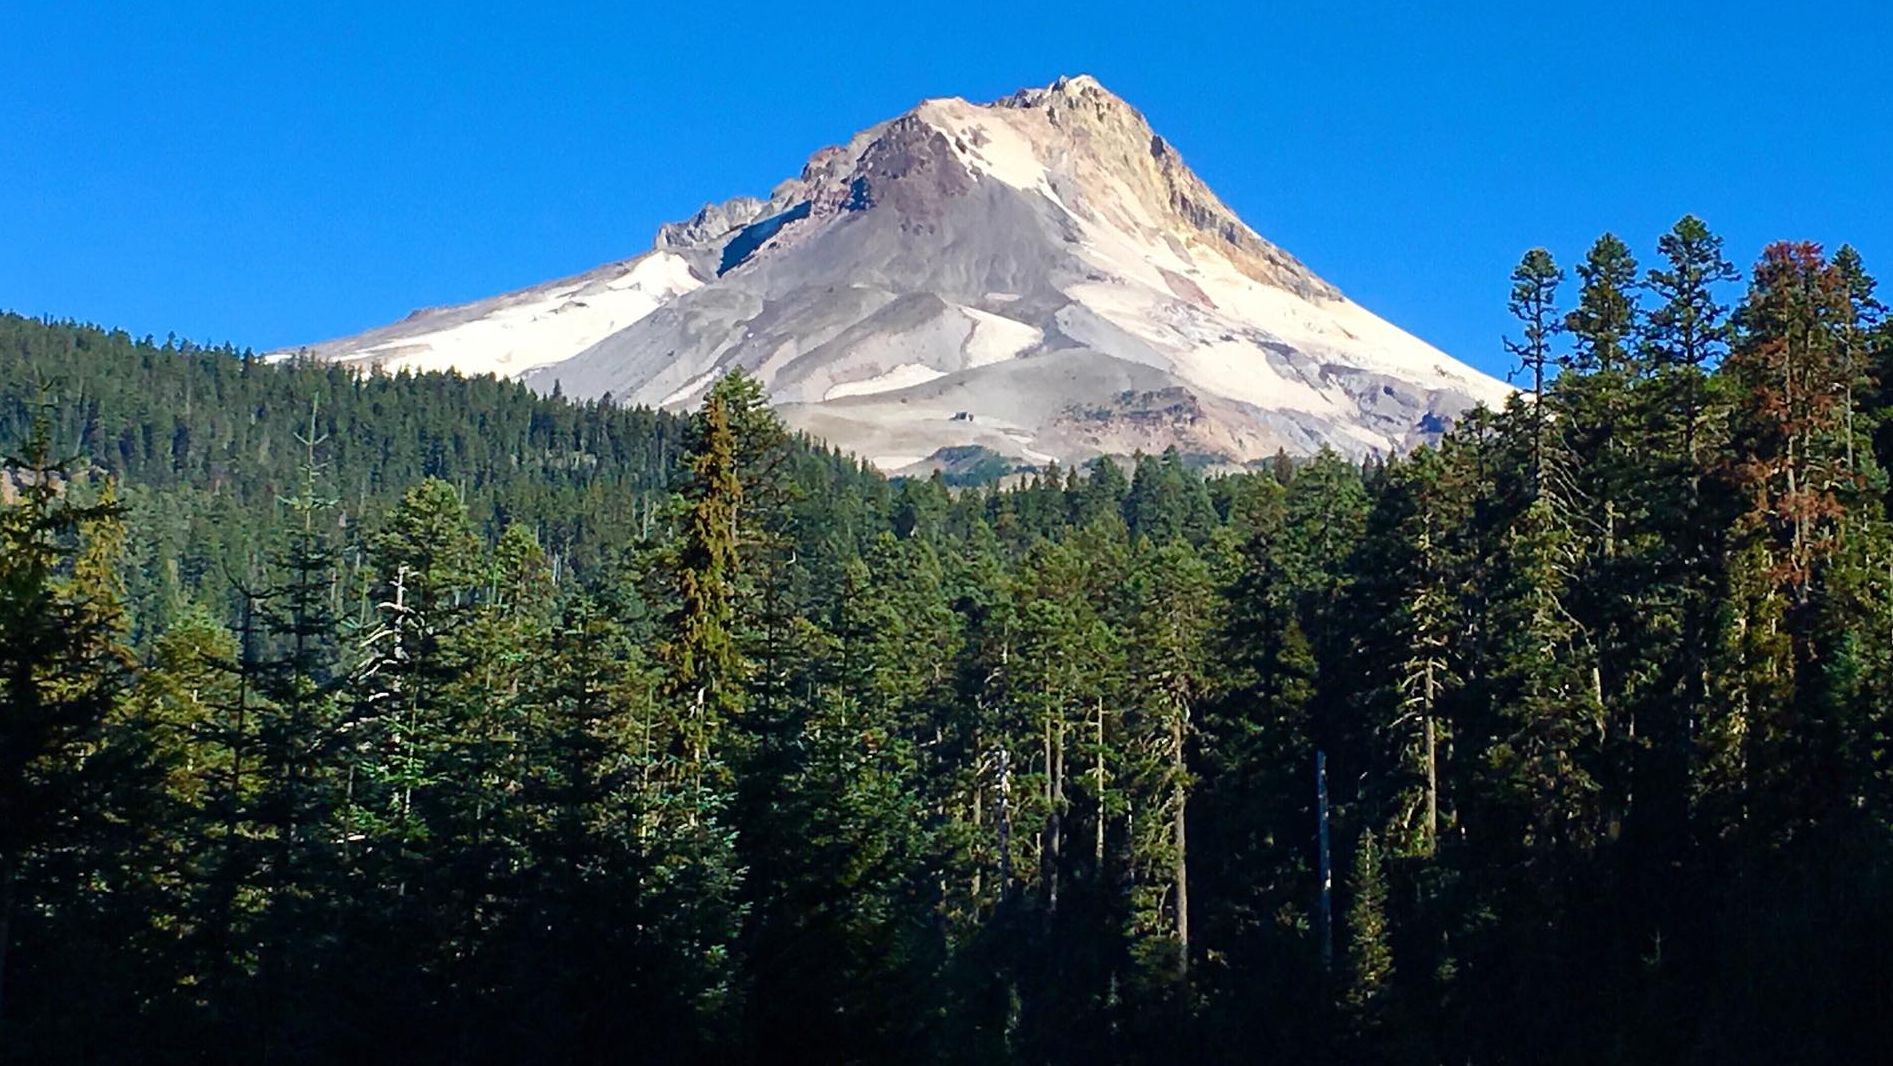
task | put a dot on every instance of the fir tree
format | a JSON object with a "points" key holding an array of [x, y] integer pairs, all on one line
{"points": [[1534, 300], [1174, 615], [62, 664], [1369, 955]]}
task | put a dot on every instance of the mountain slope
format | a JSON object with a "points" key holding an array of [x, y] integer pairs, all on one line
{"points": [[1041, 276]]}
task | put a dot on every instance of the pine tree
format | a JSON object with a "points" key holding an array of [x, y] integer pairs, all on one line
{"points": [[1688, 330], [1534, 302], [1683, 733], [62, 663], [1326, 512], [1174, 616], [1369, 954], [1794, 455], [514, 624], [707, 669], [1255, 822], [1604, 324], [981, 594], [1542, 758], [295, 808], [187, 677], [850, 819], [1596, 691], [1050, 687], [620, 923], [1408, 600], [1103, 492], [411, 688], [1861, 323], [1595, 402], [1794, 437], [705, 692]]}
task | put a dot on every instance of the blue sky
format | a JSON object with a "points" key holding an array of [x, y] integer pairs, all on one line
{"points": [[272, 174]]}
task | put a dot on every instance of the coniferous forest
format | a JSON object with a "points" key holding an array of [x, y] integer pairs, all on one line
{"points": [[355, 718]]}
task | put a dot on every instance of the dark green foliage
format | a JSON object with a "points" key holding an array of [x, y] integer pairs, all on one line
{"points": [[63, 670], [1370, 967], [1535, 284], [421, 719]]}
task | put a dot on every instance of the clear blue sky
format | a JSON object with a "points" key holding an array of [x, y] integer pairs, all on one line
{"points": [[272, 174]]}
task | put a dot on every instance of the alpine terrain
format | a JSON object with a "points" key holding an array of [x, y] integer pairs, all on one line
{"points": [[1041, 277], [552, 699]]}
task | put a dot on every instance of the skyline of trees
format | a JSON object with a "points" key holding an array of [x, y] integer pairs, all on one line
{"points": [[423, 719]]}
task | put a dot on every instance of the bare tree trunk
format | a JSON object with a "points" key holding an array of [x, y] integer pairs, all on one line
{"points": [[696, 759], [1325, 862], [1004, 821], [1180, 872], [1432, 778], [644, 765], [978, 790], [1794, 438], [1098, 849], [1848, 399], [1055, 799]]}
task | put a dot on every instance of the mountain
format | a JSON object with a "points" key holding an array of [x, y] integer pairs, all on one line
{"points": [[1040, 277]]}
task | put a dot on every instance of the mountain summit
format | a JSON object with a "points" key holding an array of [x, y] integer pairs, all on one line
{"points": [[1040, 277]]}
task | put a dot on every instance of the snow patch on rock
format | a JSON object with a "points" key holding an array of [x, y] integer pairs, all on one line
{"points": [[511, 334], [900, 377]]}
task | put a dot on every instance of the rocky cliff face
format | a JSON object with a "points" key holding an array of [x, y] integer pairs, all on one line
{"points": [[1041, 277]]}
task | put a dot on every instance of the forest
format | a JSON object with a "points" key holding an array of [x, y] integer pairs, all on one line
{"points": [[370, 718]]}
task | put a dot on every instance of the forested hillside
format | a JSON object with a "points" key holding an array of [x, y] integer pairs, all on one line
{"points": [[204, 443], [420, 719]]}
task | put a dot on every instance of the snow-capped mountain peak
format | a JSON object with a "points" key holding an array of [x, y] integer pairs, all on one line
{"points": [[1041, 277]]}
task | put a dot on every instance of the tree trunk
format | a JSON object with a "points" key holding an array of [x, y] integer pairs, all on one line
{"points": [[1325, 863], [978, 789], [1098, 849], [1055, 802], [1003, 821], [1180, 872], [1432, 773]]}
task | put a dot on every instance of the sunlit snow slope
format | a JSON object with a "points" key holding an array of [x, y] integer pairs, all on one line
{"points": [[511, 334]]}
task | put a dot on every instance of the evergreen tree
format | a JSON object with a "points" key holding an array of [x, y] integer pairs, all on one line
{"points": [[1409, 597], [1541, 760], [1796, 465], [413, 698], [62, 671], [1688, 329], [1604, 436], [1682, 731], [1174, 616], [1369, 956], [1534, 301]]}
